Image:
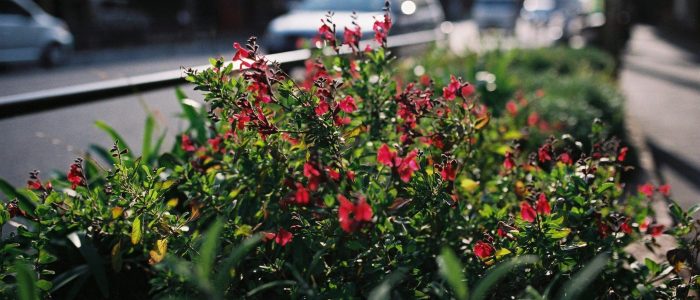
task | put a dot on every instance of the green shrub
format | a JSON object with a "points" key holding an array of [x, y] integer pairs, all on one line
{"points": [[348, 184]]}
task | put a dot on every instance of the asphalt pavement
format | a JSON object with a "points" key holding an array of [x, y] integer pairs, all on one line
{"points": [[660, 78]]}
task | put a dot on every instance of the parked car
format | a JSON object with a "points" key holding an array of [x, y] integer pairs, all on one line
{"points": [[287, 32], [27, 33], [501, 14], [562, 18]]}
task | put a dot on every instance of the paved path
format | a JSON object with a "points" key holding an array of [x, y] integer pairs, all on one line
{"points": [[660, 78]]}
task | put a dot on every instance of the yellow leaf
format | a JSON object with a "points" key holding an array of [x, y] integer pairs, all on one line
{"points": [[172, 203], [502, 252], [513, 135], [117, 257], [354, 132], [481, 122], [136, 231], [158, 253], [117, 212], [469, 185]]}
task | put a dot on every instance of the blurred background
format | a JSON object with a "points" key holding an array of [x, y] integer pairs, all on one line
{"points": [[59, 44]]}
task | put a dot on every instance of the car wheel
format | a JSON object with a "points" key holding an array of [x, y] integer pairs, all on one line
{"points": [[53, 55]]}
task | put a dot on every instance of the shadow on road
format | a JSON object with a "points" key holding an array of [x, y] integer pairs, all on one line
{"points": [[664, 158]]}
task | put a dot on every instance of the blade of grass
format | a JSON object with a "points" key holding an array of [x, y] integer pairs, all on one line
{"points": [[115, 136], [451, 270], [573, 288], [498, 272]]}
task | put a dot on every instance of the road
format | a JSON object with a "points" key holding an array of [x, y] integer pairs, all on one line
{"points": [[50, 141]]}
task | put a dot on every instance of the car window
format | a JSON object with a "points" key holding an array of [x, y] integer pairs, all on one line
{"points": [[11, 8], [344, 5]]}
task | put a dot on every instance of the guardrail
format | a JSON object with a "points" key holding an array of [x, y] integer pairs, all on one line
{"points": [[33, 102]]}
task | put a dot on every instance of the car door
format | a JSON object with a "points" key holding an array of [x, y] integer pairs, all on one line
{"points": [[19, 33], [418, 15]]}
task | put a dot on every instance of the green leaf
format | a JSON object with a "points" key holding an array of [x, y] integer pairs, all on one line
{"points": [[451, 270], [146, 150], [45, 257], [103, 153], [234, 258], [207, 252], [115, 137], [136, 231], [269, 285], [44, 285], [24, 203], [498, 272], [558, 234], [93, 259], [693, 210], [579, 282], [383, 290], [190, 112], [26, 282], [653, 267], [604, 187]]}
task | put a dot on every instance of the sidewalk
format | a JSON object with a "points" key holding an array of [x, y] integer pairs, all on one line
{"points": [[660, 78]]}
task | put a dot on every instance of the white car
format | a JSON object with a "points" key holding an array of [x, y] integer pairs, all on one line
{"points": [[289, 31], [27, 33]]}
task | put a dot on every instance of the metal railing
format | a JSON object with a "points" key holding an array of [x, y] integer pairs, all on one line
{"points": [[33, 102]]}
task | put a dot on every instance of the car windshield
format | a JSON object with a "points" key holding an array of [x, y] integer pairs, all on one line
{"points": [[534, 5], [341, 5]]}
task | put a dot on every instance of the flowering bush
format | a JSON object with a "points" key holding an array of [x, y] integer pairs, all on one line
{"points": [[346, 184]]}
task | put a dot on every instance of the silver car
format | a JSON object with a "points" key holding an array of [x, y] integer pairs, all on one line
{"points": [[501, 14], [301, 23], [27, 33]]}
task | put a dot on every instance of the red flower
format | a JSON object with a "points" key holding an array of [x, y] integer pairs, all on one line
{"points": [[449, 171], [352, 37], [625, 227], [483, 250], [215, 144], [241, 53], [645, 225], [385, 156], [544, 153], [565, 158], [14, 209], [187, 144], [509, 163], [322, 108], [381, 29], [501, 233], [533, 119], [350, 174], [450, 91], [348, 104], [333, 174], [34, 185], [647, 189], [623, 154], [310, 170], [326, 32], [283, 237], [75, 176], [340, 121], [656, 230], [352, 215], [407, 166], [665, 190], [527, 213], [302, 195], [543, 205], [512, 108], [468, 90]]}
